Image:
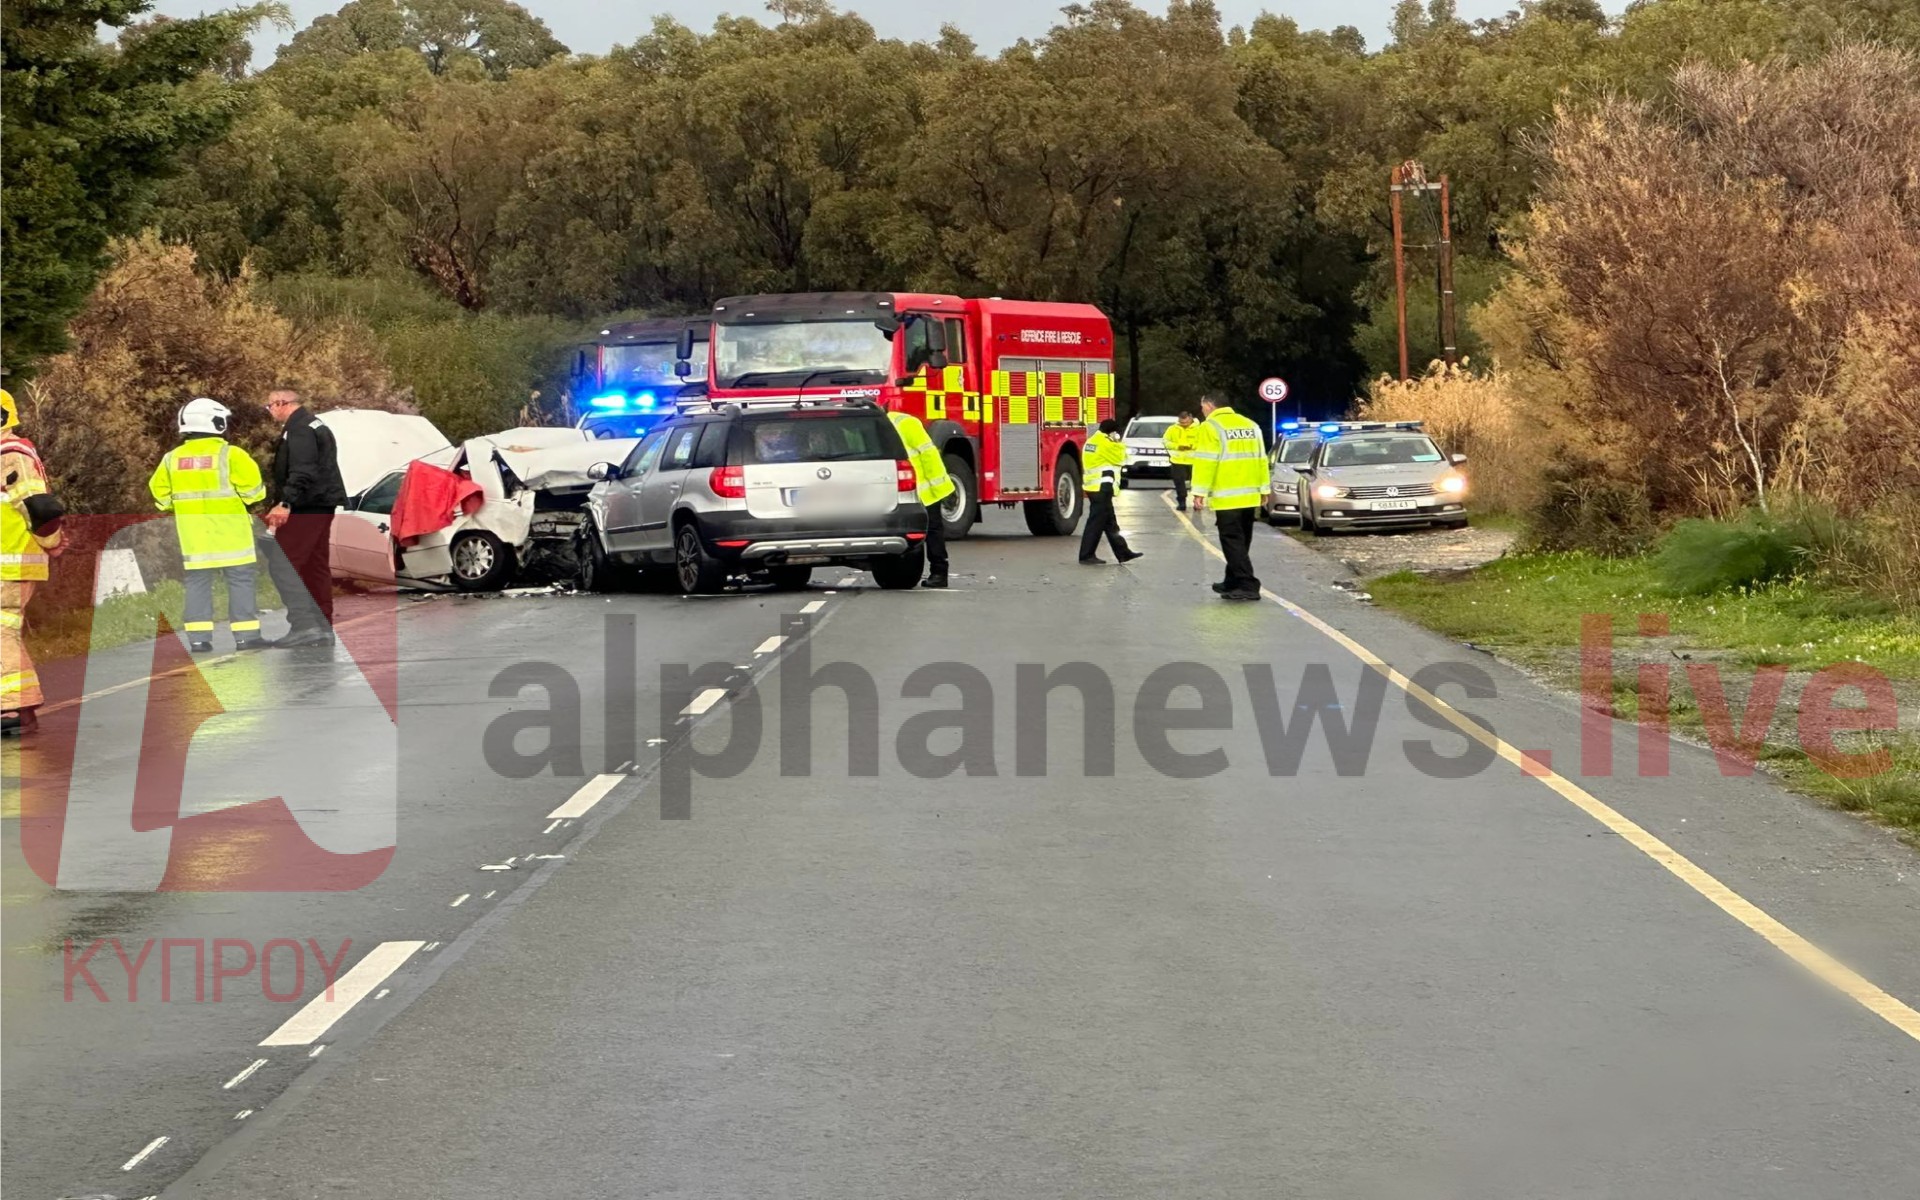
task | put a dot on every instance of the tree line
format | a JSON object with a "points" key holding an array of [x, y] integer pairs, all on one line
{"points": [[448, 165]]}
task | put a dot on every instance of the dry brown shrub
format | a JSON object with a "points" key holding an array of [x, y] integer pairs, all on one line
{"points": [[1474, 415], [155, 335], [1718, 293]]}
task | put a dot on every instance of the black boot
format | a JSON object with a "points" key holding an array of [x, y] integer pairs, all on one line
{"points": [[935, 579]]}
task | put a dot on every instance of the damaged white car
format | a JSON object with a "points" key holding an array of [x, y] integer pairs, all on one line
{"points": [[490, 512]]}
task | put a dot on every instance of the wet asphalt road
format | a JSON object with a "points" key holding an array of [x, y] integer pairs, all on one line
{"points": [[1041, 975]]}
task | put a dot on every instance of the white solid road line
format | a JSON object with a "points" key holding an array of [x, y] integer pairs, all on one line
{"points": [[592, 793], [704, 701], [330, 1005], [242, 1076], [137, 1159], [771, 644], [813, 606]]}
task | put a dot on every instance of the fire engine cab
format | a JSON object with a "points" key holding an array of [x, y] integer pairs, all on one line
{"points": [[1008, 389]]}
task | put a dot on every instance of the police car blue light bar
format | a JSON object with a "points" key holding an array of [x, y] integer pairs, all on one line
{"points": [[611, 400], [1289, 426]]}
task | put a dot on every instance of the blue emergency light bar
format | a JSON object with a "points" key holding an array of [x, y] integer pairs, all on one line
{"points": [[616, 400], [1289, 426]]}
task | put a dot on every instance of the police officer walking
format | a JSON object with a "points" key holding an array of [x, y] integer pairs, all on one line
{"points": [[207, 483], [1179, 440], [1106, 457], [933, 485], [1230, 474]]}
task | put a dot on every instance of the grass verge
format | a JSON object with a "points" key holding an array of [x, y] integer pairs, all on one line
{"points": [[1528, 609]]}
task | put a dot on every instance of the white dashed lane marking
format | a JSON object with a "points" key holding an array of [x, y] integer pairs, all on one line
{"points": [[594, 791], [141, 1157], [462, 898], [814, 606], [241, 1078], [704, 701], [770, 645], [320, 1013]]}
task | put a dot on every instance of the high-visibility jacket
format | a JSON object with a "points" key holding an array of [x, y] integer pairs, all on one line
{"points": [[1106, 458], [1230, 461], [207, 483], [1180, 442], [929, 469], [23, 556]]}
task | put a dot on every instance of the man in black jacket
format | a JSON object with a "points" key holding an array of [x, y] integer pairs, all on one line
{"points": [[307, 490]]}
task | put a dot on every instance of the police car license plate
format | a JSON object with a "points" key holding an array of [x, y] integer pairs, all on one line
{"points": [[1394, 505]]}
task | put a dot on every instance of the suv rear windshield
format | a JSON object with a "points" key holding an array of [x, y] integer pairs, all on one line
{"points": [[815, 437], [1382, 451]]}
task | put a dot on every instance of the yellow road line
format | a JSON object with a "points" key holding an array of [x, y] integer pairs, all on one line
{"points": [[1824, 966]]}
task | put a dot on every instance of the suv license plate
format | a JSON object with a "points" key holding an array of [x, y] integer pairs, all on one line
{"points": [[1394, 505]]}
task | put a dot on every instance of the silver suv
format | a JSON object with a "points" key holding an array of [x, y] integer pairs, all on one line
{"points": [[1382, 474], [757, 492]]}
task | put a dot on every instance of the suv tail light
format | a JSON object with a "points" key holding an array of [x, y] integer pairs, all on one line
{"points": [[728, 483], [904, 479]]}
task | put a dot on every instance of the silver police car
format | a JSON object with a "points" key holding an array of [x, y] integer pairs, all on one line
{"points": [[1367, 475]]}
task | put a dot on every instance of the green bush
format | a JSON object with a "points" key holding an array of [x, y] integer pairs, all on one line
{"points": [[1583, 507], [1701, 557]]}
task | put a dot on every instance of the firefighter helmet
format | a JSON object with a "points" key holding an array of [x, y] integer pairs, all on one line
{"points": [[205, 416], [11, 409]]}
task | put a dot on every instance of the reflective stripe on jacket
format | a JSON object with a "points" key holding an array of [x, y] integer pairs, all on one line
{"points": [[1180, 443], [22, 555], [207, 483], [1106, 458], [1230, 461], [929, 469]]}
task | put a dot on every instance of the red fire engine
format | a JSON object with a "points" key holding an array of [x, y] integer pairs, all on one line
{"points": [[1008, 389]]}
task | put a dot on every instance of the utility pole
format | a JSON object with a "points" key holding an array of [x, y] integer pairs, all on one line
{"points": [[1410, 176], [1447, 346], [1398, 181]]}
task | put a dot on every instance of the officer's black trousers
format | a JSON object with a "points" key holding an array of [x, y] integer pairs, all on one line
{"points": [[1182, 475], [1101, 521], [1236, 544]]}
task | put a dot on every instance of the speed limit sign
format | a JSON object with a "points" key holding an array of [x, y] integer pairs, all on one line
{"points": [[1273, 390]]}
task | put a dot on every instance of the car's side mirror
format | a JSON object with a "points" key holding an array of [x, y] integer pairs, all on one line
{"points": [[601, 472], [1457, 459]]}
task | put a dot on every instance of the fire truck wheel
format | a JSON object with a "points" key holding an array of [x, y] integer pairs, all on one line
{"points": [[959, 511], [901, 572], [1059, 516], [481, 562], [698, 572]]}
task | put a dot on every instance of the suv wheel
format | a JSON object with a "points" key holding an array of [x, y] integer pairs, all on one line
{"points": [[593, 570], [699, 573], [481, 562], [903, 571]]}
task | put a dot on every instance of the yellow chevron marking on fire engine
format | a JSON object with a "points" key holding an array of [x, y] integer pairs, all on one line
{"points": [[1822, 965]]}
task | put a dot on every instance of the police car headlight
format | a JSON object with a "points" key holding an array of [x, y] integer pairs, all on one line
{"points": [[1453, 485], [1327, 491]]}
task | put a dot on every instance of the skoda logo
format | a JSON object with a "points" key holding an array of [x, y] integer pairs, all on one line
{"points": [[825, 473], [1393, 491]]}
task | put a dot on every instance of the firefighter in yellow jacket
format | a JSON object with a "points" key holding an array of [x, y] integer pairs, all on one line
{"points": [[1230, 474], [29, 539], [933, 485], [207, 483]]}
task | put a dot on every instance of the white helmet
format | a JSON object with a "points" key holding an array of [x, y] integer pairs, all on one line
{"points": [[204, 416]]}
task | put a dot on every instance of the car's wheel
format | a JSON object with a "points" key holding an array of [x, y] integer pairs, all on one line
{"points": [[959, 511], [698, 572], [593, 571], [481, 561], [901, 572], [789, 579], [1458, 523], [1126, 481], [1059, 516], [1307, 522]]}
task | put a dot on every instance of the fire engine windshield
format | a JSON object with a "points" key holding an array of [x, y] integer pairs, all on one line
{"points": [[646, 364], [794, 354]]}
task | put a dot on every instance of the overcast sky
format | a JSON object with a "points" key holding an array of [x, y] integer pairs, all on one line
{"points": [[591, 26]]}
